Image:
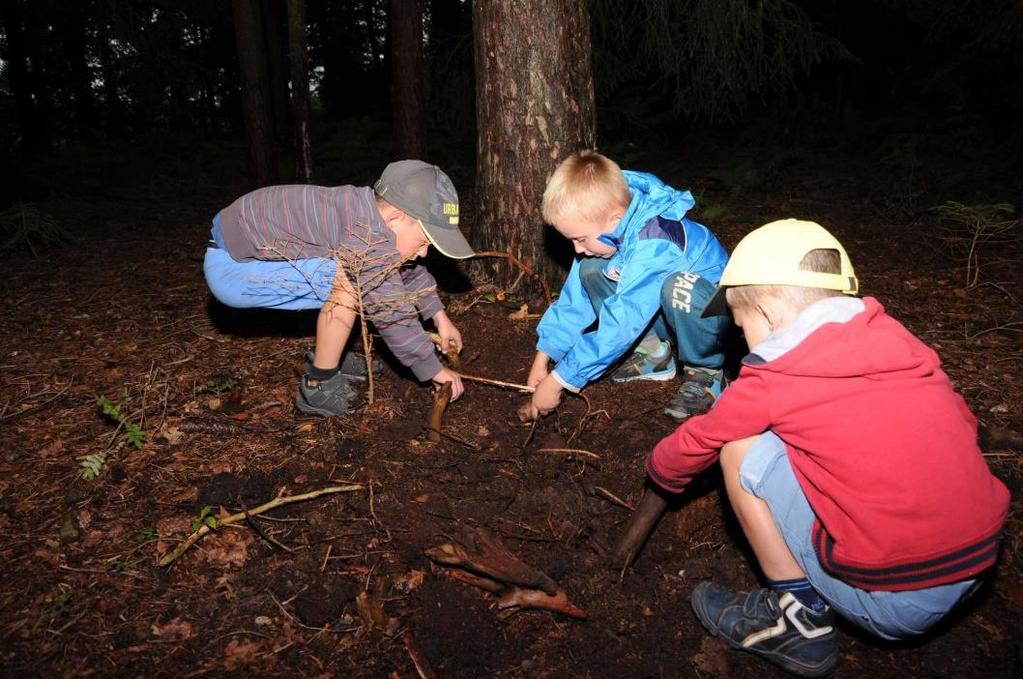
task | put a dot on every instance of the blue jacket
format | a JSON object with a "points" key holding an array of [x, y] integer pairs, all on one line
{"points": [[653, 240]]}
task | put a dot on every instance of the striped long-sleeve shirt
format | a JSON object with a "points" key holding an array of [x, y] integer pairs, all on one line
{"points": [[303, 222]]}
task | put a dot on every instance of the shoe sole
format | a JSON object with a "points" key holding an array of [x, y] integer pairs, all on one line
{"points": [[322, 412], [784, 662], [682, 416], [662, 376]]}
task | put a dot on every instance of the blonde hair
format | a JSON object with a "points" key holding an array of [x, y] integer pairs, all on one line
{"points": [[797, 297], [585, 186]]}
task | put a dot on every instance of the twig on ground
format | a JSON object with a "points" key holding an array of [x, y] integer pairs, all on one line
{"points": [[614, 498], [234, 518], [260, 532], [19, 413]]}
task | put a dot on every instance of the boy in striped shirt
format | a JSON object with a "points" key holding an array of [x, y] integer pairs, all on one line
{"points": [[337, 249]]}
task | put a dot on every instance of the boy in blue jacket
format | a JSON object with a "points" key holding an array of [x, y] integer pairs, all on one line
{"points": [[644, 273]]}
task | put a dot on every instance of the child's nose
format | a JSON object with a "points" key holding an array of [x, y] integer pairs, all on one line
{"points": [[579, 249]]}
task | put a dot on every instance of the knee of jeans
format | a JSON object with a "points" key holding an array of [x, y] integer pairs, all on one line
{"points": [[591, 271]]}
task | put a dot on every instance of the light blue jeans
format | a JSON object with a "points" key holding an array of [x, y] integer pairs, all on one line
{"points": [[767, 474], [278, 284]]}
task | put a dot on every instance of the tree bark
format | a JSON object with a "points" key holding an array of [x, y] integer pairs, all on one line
{"points": [[406, 18], [534, 106], [300, 90], [255, 92]]}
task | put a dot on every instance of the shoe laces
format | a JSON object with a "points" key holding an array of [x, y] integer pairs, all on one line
{"points": [[695, 385]]}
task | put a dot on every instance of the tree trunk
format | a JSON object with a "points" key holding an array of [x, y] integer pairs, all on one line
{"points": [[534, 106], [406, 18], [300, 90], [73, 25], [20, 82], [276, 64], [255, 92]]}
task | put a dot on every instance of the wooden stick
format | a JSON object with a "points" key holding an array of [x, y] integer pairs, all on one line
{"points": [[241, 516], [569, 451], [441, 398], [639, 528], [498, 383], [422, 665], [614, 498]]}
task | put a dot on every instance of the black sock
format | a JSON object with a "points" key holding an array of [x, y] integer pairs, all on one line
{"points": [[322, 374], [803, 591]]}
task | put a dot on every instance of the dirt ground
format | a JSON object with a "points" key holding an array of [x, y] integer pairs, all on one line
{"points": [[339, 585]]}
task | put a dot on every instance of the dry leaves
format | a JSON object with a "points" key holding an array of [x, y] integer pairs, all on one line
{"points": [[175, 630]]}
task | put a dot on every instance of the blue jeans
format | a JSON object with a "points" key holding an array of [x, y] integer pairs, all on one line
{"points": [[278, 284], [683, 296], [767, 474]]}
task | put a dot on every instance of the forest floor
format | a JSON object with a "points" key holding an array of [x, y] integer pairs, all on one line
{"points": [[339, 585]]}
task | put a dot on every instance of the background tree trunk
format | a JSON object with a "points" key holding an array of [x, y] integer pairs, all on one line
{"points": [[255, 92], [406, 18], [20, 82], [300, 90], [274, 27], [534, 99]]}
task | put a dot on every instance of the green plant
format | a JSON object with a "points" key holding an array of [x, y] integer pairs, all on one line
{"points": [[217, 385], [966, 229], [127, 433], [62, 601], [146, 534], [205, 518]]}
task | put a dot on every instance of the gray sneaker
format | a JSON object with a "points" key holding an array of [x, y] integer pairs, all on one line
{"points": [[700, 388], [353, 365], [327, 398]]}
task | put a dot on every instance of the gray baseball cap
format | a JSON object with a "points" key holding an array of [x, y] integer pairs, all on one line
{"points": [[425, 192]]}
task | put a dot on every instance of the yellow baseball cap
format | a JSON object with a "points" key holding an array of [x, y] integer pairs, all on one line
{"points": [[771, 255]]}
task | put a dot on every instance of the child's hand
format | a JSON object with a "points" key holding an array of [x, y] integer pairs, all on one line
{"points": [[539, 370], [446, 375], [448, 332], [546, 398]]}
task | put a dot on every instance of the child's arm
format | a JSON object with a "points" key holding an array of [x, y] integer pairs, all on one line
{"points": [[743, 410], [565, 319], [623, 316]]}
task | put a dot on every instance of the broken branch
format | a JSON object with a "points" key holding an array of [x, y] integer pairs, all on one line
{"points": [[241, 516], [639, 528], [512, 259], [441, 398]]}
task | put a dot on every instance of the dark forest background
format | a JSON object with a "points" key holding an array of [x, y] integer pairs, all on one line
{"points": [[99, 95]]}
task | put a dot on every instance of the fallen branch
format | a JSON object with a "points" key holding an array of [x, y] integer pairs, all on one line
{"points": [[518, 597], [484, 553], [422, 665], [639, 528], [441, 398], [241, 516]]}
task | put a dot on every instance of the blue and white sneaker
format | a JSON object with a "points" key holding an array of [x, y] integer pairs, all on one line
{"points": [[777, 628], [700, 388], [643, 364]]}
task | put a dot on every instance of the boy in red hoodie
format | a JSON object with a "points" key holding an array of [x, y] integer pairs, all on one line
{"points": [[850, 462]]}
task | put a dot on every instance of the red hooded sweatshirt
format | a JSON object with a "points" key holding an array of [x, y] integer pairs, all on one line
{"points": [[883, 448]]}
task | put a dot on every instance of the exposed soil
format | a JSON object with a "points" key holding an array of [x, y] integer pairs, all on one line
{"points": [[124, 313]]}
